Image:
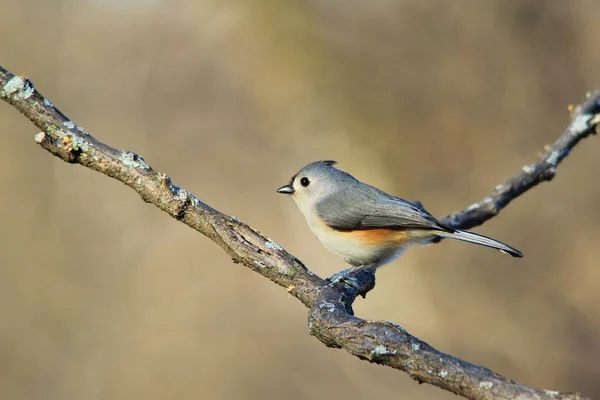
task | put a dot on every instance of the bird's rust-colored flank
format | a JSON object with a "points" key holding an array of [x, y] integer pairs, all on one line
{"points": [[378, 237]]}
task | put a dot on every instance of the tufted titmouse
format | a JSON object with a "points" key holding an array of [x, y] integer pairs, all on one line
{"points": [[364, 225]]}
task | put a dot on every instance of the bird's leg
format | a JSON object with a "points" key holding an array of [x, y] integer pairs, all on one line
{"points": [[360, 279]]}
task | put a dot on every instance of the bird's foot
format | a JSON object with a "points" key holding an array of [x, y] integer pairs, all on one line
{"points": [[342, 275], [359, 279]]}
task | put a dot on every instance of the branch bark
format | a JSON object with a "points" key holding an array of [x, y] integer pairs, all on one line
{"points": [[331, 318]]}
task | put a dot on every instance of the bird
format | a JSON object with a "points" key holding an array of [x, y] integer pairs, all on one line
{"points": [[366, 226]]}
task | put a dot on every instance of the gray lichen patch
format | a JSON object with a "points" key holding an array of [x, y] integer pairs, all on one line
{"points": [[195, 200], [70, 125], [381, 350], [330, 307], [181, 194], [553, 159], [17, 87], [581, 123], [133, 160], [472, 207], [552, 393], [79, 143], [272, 245], [528, 169], [14, 84], [26, 92]]}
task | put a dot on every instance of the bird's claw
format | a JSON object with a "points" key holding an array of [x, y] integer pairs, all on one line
{"points": [[354, 279], [342, 275]]}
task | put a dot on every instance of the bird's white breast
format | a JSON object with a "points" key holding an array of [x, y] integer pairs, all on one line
{"points": [[352, 247]]}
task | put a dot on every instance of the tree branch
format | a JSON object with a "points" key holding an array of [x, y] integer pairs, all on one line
{"points": [[584, 119], [331, 319]]}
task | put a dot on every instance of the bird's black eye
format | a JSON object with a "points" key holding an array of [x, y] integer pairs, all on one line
{"points": [[304, 181]]}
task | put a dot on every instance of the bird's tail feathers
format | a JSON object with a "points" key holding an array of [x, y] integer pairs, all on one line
{"points": [[476, 238]]}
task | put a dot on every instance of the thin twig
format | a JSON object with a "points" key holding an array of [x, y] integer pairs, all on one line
{"points": [[330, 318], [584, 119]]}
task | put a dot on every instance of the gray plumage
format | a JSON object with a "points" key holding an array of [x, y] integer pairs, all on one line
{"points": [[345, 204], [351, 208]]}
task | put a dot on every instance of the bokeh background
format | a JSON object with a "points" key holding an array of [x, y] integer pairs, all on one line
{"points": [[104, 297]]}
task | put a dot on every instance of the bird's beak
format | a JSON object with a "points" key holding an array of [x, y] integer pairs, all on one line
{"points": [[286, 189]]}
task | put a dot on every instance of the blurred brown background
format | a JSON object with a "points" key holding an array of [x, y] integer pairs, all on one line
{"points": [[105, 297]]}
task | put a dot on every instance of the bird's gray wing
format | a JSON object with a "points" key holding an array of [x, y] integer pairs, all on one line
{"points": [[358, 209]]}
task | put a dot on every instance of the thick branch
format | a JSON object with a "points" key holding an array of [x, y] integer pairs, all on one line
{"points": [[330, 318]]}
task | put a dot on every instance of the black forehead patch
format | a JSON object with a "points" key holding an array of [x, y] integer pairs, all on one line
{"points": [[293, 177]]}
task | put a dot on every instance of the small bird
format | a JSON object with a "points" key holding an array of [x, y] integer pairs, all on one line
{"points": [[365, 226]]}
